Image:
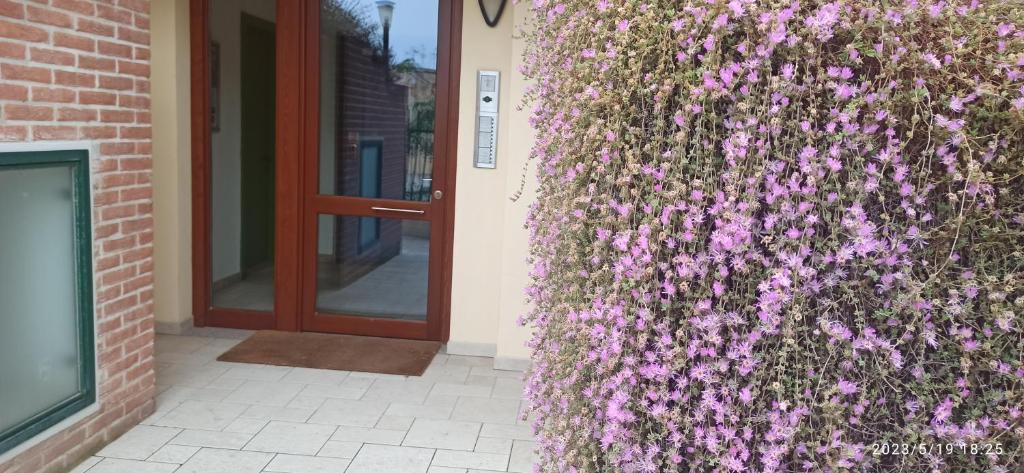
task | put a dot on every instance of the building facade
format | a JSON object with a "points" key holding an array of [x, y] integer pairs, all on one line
{"points": [[261, 164]]}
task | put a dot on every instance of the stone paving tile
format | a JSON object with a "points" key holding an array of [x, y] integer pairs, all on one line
{"points": [[477, 460], [216, 417], [173, 454], [212, 460], [139, 443], [303, 464], [390, 459], [446, 434], [291, 437]]}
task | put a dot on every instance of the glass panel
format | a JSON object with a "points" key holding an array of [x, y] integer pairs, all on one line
{"points": [[39, 352], [377, 83], [242, 101], [387, 278]]}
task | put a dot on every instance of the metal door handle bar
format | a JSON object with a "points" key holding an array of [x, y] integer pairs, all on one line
{"points": [[405, 211]]}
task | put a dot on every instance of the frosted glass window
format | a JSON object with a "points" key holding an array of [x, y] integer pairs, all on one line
{"points": [[46, 369]]}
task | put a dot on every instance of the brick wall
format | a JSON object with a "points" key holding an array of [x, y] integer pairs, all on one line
{"points": [[79, 70]]}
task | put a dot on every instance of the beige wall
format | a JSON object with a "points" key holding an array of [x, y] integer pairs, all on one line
{"points": [[172, 198], [489, 268], [490, 271]]}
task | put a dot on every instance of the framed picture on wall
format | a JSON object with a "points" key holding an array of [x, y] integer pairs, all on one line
{"points": [[214, 86]]}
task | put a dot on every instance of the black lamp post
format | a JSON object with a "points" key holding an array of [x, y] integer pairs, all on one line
{"points": [[385, 9]]}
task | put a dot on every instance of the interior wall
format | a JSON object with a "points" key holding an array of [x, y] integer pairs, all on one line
{"points": [[225, 144], [489, 272], [172, 172]]}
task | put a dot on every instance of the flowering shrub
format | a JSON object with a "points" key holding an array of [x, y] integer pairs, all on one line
{"points": [[778, 236]]}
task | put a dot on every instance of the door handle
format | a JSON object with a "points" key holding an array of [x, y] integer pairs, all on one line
{"points": [[405, 211]]}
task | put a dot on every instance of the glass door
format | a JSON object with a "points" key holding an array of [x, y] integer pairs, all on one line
{"points": [[373, 191]]}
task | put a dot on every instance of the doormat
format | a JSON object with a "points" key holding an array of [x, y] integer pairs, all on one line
{"points": [[335, 352]]}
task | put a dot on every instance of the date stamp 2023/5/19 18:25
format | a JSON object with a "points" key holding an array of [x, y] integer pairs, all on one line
{"points": [[930, 449]]}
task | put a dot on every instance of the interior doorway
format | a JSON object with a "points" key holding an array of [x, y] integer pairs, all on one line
{"points": [[323, 169], [257, 146]]}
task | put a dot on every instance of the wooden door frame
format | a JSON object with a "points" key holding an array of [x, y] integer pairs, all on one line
{"points": [[445, 146], [297, 139], [288, 26]]}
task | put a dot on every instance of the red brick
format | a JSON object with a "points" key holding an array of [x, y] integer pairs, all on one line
{"points": [[141, 86], [12, 50], [102, 231], [100, 199], [48, 16], [86, 25], [141, 6], [120, 244], [96, 63], [26, 73], [74, 79], [141, 54], [105, 165], [137, 225], [13, 133], [136, 132], [110, 325], [136, 164], [117, 116], [76, 114], [138, 193], [22, 32], [28, 113], [52, 56], [132, 35], [98, 132], [87, 97], [107, 48], [78, 6], [133, 101], [13, 92], [119, 275], [140, 282], [11, 9], [117, 149], [116, 15], [133, 68], [142, 22], [44, 94], [46, 132], [116, 83], [74, 41]]}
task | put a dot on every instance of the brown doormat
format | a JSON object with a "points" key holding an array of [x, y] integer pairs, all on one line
{"points": [[335, 352]]}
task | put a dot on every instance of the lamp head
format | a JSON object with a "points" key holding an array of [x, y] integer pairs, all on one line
{"points": [[385, 9]]}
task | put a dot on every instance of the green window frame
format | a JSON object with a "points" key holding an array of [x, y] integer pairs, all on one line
{"points": [[78, 163]]}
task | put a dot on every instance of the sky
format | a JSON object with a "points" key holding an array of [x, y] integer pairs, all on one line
{"points": [[413, 29]]}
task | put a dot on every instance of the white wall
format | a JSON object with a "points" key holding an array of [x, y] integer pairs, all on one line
{"points": [[172, 165], [225, 145], [489, 273]]}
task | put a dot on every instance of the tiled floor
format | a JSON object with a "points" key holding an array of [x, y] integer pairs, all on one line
{"points": [[214, 417]]}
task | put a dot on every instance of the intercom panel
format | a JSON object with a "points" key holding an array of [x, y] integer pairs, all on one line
{"points": [[488, 87]]}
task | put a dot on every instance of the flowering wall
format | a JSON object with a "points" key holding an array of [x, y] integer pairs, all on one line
{"points": [[778, 236]]}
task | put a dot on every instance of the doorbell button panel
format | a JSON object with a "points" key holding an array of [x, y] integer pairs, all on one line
{"points": [[488, 87]]}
